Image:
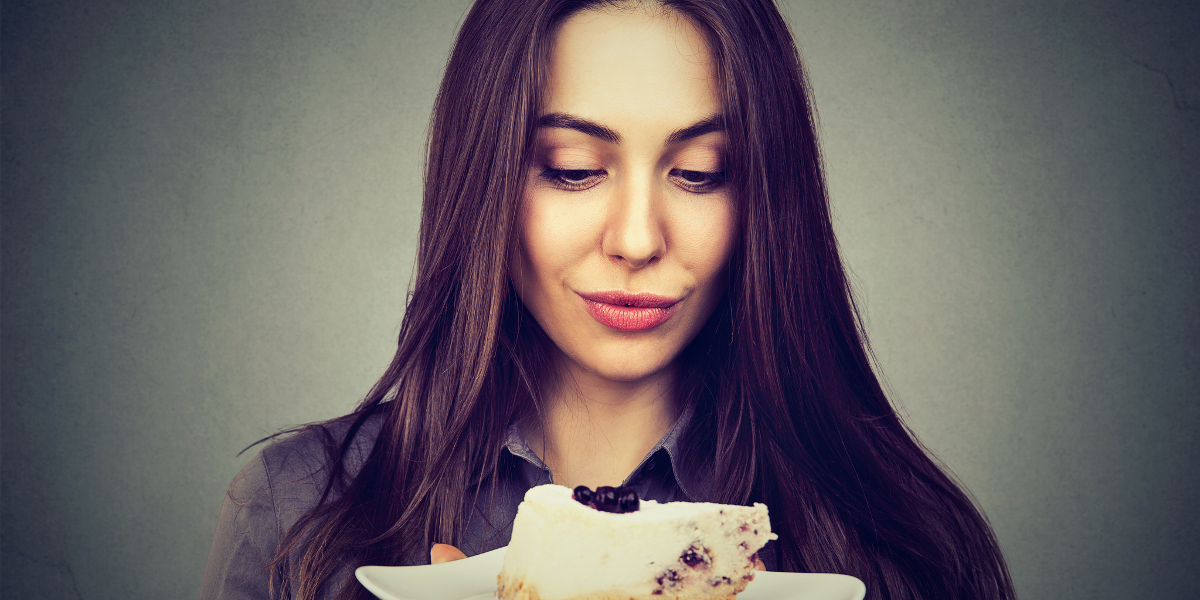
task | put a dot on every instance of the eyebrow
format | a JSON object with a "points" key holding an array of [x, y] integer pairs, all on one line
{"points": [[709, 125], [596, 130], [565, 121]]}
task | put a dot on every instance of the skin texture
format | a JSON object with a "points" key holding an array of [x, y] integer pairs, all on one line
{"points": [[641, 212]]}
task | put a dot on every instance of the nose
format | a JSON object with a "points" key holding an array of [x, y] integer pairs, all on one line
{"points": [[634, 233]]}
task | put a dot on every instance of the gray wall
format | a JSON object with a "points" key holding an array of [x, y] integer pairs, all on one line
{"points": [[209, 216]]}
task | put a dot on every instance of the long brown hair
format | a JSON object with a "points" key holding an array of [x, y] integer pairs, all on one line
{"points": [[788, 409]]}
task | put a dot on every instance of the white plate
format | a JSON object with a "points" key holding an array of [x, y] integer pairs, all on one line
{"points": [[474, 578]]}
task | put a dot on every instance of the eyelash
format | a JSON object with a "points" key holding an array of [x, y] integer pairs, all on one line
{"points": [[711, 181], [559, 178], [577, 180]]}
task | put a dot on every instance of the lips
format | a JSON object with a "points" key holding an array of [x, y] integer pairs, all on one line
{"points": [[629, 312]]}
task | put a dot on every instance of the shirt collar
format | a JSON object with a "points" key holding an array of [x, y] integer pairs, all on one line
{"points": [[515, 443], [694, 481]]}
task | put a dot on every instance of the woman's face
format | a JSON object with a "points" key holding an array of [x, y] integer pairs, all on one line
{"points": [[627, 223]]}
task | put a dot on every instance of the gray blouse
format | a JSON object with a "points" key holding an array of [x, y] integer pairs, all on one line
{"points": [[285, 481]]}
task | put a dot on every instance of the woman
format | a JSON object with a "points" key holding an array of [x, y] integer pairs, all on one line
{"points": [[626, 275]]}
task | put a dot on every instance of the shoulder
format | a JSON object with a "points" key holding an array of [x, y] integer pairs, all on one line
{"points": [[287, 478], [268, 496], [295, 470]]}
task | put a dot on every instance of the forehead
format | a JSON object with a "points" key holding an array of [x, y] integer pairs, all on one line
{"points": [[632, 65]]}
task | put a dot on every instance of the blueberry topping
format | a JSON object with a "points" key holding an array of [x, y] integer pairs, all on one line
{"points": [[582, 494], [608, 499], [627, 500], [605, 499]]}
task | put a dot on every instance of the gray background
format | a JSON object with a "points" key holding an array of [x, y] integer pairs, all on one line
{"points": [[210, 211]]}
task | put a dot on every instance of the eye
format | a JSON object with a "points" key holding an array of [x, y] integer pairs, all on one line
{"points": [[698, 182], [573, 179]]}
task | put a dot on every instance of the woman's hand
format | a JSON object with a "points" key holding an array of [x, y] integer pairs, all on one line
{"points": [[758, 564], [441, 553]]}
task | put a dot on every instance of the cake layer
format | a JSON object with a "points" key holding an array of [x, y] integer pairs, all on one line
{"points": [[563, 550]]}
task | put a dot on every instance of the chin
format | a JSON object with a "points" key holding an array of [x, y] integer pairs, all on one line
{"points": [[629, 367]]}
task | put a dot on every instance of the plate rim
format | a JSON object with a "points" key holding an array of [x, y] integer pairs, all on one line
{"points": [[364, 575]]}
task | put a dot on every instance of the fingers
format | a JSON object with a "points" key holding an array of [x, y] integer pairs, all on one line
{"points": [[758, 564], [441, 553]]}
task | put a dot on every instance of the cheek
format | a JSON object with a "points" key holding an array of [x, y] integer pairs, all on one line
{"points": [[706, 237], [555, 236]]}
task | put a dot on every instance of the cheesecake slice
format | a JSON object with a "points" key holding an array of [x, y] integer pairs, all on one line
{"points": [[609, 545]]}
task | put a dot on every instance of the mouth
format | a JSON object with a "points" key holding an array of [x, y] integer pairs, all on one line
{"points": [[624, 311]]}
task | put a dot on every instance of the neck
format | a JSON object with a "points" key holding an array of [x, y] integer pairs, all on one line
{"points": [[595, 431]]}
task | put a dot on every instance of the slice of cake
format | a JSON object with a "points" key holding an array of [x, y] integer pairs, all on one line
{"points": [[608, 545]]}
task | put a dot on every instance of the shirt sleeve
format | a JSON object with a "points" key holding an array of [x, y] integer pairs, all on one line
{"points": [[247, 536]]}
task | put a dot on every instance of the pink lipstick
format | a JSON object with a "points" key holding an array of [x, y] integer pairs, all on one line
{"points": [[629, 312]]}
